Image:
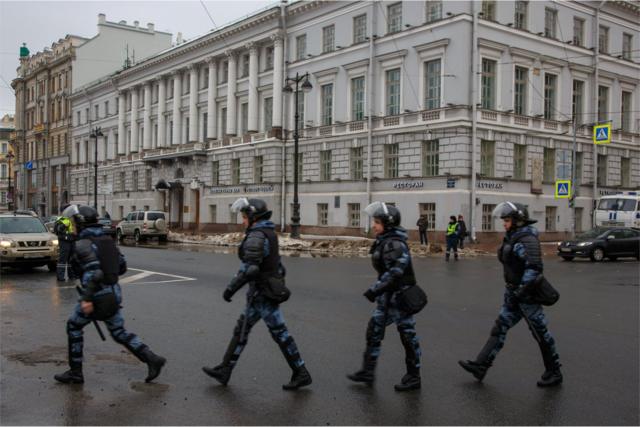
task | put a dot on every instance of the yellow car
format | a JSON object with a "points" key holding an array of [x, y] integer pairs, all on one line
{"points": [[26, 242]]}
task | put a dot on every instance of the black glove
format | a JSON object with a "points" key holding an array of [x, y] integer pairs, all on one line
{"points": [[370, 295], [227, 294]]}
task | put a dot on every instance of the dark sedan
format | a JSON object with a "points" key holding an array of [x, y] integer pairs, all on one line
{"points": [[600, 243]]}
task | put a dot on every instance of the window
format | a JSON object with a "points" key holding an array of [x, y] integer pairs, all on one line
{"points": [[215, 172], [4, 149], [550, 218], [563, 164], [549, 165], [84, 185], [394, 18], [577, 101], [235, 171], [430, 158], [186, 83], [432, 84], [433, 10], [301, 110], [78, 122], [96, 112], [603, 103], [134, 181], [487, 157], [428, 210], [205, 80], [627, 43], [106, 108], [327, 104], [520, 90], [244, 118], [258, 176], [519, 161], [171, 132], [3, 170], [625, 172], [117, 104], [205, 127], [268, 113], [245, 66], [213, 214], [359, 28], [357, 98], [223, 119], [487, 217], [489, 10], [488, 84], [354, 214], [603, 39], [520, 15], [550, 90], [148, 179], [393, 91], [301, 47], [224, 74], [323, 213], [356, 163], [325, 165], [625, 111], [391, 161], [328, 39], [233, 216], [578, 31], [121, 181], [550, 22], [602, 170]]}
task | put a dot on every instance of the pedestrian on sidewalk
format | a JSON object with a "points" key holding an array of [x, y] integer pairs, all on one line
{"points": [[262, 269], [453, 233], [422, 229], [392, 260], [463, 231]]}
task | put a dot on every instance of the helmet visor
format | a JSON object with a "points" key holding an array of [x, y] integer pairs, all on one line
{"points": [[376, 209], [70, 211], [239, 205], [504, 210]]}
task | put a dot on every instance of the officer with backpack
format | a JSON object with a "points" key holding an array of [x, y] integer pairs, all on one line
{"points": [[66, 235], [99, 262], [261, 269], [521, 258], [396, 294]]}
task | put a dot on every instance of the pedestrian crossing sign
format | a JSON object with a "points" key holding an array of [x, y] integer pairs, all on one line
{"points": [[602, 134], [563, 189]]}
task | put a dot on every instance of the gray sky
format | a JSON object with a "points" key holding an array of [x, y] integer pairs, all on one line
{"points": [[41, 23]]}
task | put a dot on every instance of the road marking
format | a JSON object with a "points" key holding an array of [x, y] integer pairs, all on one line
{"points": [[147, 273], [134, 277]]}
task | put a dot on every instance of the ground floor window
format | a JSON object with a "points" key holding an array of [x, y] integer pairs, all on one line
{"points": [[429, 211], [323, 213], [354, 214], [487, 217], [550, 218]]}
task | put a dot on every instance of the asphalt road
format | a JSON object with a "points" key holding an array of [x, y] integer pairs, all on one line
{"points": [[173, 301]]}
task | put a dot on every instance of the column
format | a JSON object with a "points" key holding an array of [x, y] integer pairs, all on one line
{"points": [[231, 93], [253, 88], [122, 137], [162, 105], [278, 79], [212, 128], [146, 137], [193, 103], [111, 148], [134, 120], [177, 101]]}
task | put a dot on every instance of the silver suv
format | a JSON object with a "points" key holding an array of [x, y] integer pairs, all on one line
{"points": [[143, 224], [26, 242]]}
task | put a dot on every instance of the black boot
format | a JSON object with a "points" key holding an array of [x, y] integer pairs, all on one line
{"points": [[222, 373], [552, 375], [446, 257], [153, 361], [411, 380], [300, 378], [72, 376], [479, 370], [367, 373], [550, 378]]}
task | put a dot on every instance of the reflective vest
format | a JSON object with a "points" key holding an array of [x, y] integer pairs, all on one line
{"points": [[68, 225], [451, 228]]}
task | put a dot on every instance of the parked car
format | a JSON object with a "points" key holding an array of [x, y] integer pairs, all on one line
{"points": [[143, 224], [600, 243], [26, 242], [50, 223]]}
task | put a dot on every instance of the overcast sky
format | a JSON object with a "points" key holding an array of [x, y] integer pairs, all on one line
{"points": [[38, 24]]}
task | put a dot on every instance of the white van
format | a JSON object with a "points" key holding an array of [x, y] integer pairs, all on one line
{"points": [[618, 210]]}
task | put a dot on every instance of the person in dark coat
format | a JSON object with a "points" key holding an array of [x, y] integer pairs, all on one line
{"points": [[422, 229], [462, 227]]}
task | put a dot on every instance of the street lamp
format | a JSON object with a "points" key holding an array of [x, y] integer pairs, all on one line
{"points": [[95, 133], [10, 156], [306, 87]]}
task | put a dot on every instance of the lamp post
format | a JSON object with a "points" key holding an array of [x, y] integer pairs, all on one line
{"points": [[95, 133], [306, 87], [10, 156]]}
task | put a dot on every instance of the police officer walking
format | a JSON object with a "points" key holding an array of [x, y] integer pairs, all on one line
{"points": [[66, 235], [453, 232], [521, 257], [392, 260], [99, 262], [262, 270]]}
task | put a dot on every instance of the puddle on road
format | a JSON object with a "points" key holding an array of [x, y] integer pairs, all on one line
{"points": [[45, 354]]}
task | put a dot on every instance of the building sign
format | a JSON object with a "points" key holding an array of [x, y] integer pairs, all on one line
{"points": [[258, 188], [408, 185], [604, 192], [563, 189], [451, 183], [489, 185], [602, 134]]}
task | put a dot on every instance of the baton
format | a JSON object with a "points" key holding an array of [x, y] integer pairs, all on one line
{"points": [[95, 323], [531, 328], [243, 330]]}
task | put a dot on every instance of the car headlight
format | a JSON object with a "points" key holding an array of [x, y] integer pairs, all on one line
{"points": [[585, 243], [54, 242], [559, 244], [6, 243]]}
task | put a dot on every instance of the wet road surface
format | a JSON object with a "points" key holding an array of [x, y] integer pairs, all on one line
{"points": [[173, 301]]}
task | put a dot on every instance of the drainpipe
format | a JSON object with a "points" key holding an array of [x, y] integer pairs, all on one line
{"points": [[596, 64], [474, 125], [371, 102], [283, 192]]}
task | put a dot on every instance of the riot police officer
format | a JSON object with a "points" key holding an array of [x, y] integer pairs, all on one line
{"points": [[263, 271], [66, 235], [99, 262], [392, 260], [521, 257]]}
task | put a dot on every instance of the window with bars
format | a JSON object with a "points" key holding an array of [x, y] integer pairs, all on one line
{"points": [[430, 157], [357, 162], [487, 157], [394, 18], [327, 104], [353, 210], [550, 90], [489, 9], [235, 171], [258, 168], [432, 84], [625, 171], [487, 217], [549, 165], [215, 172], [519, 161], [627, 43], [323, 213], [488, 84], [625, 111], [328, 39], [428, 210], [357, 98], [391, 161], [325, 165], [393, 91], [433, 10], [520, 14], [603, 103], [359, 28], [301, 47], [520, 84], [550, 22], [550, 213], [603, 39], [268, 113], [563, 164], [577, 101], [602, 170], [578, 32]]}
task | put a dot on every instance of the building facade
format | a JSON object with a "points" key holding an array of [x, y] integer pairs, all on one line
{"points": [[7, 168], [441, 108]]}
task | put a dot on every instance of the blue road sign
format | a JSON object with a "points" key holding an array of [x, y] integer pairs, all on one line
{"points": [[602, 134], [563, 189], [28, 166]]}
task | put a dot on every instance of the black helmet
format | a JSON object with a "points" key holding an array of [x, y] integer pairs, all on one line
{"points": [[83, 215], [516, 211], [254, 209], [387, 214]]}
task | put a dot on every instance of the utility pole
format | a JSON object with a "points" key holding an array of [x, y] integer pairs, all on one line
{"points": [[95, 133]]}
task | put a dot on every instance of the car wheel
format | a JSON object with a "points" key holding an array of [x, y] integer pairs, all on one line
{"points": [[119, 235], [52, 266], [136, 236], [567, 258], [597, 255]]}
